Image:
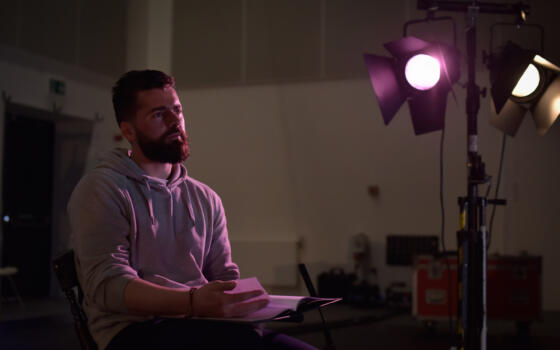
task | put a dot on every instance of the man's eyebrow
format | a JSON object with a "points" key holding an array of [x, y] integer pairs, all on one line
{"points": [[163, 108], [157, 109]]}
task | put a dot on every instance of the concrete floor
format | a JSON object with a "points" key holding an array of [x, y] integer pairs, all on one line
{"points": [[47, 324]]}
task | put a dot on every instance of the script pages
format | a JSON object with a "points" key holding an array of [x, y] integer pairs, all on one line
{"points": [[280, 307]]}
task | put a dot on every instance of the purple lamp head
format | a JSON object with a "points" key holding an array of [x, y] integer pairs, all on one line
{"points": [[420, 72]]}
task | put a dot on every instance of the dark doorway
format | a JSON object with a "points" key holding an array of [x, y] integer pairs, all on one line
{"points": [[27, 202], [44, 157]]}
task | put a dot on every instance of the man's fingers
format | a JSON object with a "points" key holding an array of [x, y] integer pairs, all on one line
{"points": [[243, 309], [239, 297], [223, 286]]}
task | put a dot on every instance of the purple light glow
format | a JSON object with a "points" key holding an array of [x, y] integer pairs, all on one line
{"points": [[422, 72]]}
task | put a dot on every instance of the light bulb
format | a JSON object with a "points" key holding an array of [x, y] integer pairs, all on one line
{"points": [[528, 83], [422, 72]]}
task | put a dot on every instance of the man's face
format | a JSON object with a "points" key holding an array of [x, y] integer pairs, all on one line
{"points": [[160, 127]]}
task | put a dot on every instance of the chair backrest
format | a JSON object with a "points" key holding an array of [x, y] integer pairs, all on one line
{"points": [[65, 270]]}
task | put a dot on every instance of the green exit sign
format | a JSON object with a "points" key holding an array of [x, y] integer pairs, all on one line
{"points": [[57, 87]]}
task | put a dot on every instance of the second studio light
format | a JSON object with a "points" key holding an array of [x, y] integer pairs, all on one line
{"points": [[419, 72], [523, 81]]}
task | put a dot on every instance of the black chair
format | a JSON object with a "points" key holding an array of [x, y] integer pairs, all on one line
{"points": [[65, 270]]}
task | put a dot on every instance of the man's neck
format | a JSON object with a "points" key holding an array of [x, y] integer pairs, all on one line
{"points": [[154, 169]]}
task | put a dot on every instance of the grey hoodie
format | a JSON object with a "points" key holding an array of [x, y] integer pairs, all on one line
{"points": [[126, 224]]}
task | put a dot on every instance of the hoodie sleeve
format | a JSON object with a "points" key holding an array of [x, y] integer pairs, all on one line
{"points": [[100, 240], [219, 265]]}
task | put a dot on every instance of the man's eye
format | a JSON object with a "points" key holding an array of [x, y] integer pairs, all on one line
{"points": [[158, 114], [178, 110]]}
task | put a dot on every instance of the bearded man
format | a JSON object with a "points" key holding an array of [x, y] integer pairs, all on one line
{"points": [[151, 243]]}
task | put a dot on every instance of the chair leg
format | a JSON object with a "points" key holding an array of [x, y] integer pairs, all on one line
{"points": [[15, 290]]}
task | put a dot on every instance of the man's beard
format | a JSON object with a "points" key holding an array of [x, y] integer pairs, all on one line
{"points": [[163, 151]]}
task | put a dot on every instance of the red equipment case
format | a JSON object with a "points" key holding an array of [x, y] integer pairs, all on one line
{"points": [[513, 289]]}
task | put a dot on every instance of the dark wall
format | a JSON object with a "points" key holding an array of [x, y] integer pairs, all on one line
{"points": [[87, 33]]}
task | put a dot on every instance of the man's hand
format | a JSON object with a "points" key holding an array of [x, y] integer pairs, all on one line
{"points": [[211, 301]]}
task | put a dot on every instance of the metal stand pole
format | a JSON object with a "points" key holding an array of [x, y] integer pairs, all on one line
{"points": [[471, 238], [473, 312]]}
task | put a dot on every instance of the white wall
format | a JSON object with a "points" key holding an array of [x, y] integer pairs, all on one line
{"points": [[297, 159]]}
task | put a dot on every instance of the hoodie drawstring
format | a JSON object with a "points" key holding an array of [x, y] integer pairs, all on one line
{"points": [[187, 202], [148, 199]]}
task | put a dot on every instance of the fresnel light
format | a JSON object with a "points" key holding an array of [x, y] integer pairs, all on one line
{"points": [[421, 72], [521, 81]]}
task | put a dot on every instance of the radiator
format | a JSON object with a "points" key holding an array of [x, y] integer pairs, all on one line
{"points": [[273, 261]]}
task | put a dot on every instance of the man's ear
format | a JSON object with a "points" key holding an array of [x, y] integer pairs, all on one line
{"points": [[128, 131]]}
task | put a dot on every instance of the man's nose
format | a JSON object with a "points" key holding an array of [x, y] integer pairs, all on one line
{"points": [[172, 118]]}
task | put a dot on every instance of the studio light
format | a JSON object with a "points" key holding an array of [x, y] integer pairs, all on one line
{"points": [[421, 72], [521, 81]]}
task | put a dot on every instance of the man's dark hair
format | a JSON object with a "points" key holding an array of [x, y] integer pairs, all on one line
{"points": [[129, 84]]}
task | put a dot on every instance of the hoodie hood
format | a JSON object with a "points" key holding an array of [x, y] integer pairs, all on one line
{"points": [[119, 160]]}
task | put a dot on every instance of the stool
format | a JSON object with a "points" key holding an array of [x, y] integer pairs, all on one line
{"points": [[9, 272]]}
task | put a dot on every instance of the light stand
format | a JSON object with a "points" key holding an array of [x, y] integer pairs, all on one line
{"points": [[471, 239]]}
